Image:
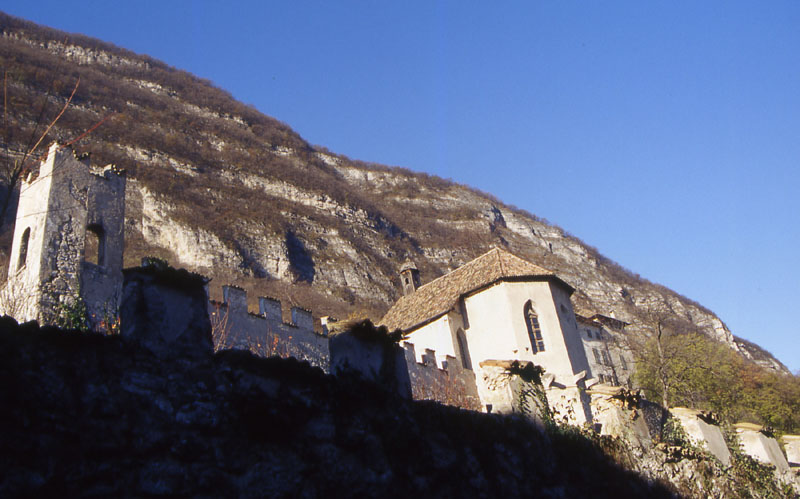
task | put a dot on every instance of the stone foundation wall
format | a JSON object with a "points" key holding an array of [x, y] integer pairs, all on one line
{"points": [[513, 387], [760, 446], [617, 412], [791, 443], [703, 432]]}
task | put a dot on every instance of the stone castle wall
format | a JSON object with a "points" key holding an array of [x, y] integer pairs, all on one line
{"points": [[447, 382], [265, 333]]}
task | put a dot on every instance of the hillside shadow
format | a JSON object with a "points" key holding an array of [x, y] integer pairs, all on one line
{"points": [[300, 261]]}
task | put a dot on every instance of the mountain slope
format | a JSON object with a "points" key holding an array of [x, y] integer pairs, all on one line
{"points": [[224, 190]]}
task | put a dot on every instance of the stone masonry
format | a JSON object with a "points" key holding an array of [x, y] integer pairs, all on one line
{"points": [[68, 240]]}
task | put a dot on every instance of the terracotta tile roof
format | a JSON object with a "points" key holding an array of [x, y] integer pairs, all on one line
{"points": [[586, 317], [441, 295]]}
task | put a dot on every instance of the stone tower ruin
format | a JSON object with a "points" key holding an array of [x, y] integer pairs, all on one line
{"points": [[68, 241]]}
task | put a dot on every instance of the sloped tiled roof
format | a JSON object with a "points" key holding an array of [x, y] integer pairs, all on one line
{"points": [[441, 295]]}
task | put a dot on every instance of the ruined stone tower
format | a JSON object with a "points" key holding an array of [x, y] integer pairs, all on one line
{"points": [[68, 240]]}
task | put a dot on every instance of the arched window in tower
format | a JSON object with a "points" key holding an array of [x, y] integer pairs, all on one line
{"points": [[23, 248], [534, 330], [94, 247], [466, 362]]}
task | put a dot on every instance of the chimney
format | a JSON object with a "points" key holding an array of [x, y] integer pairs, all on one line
{"points": [[409, 277]]}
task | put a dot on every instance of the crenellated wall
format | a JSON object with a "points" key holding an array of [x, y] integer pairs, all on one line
{"points": [[446, 381], [265, 333]]}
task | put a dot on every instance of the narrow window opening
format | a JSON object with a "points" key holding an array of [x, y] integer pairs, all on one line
{"points": [[623, 363], [94, 245], [23, 248], [466, 362], [534, 330], [606, 358], [597, 357]]}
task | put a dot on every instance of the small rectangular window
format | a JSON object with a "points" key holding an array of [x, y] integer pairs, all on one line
{"points": [[94, 245]]}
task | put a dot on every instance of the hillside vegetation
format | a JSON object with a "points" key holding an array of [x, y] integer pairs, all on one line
{"points": [[224, 190]]}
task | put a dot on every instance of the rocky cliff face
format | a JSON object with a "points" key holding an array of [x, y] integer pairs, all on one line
{"points": [[223, 190]]}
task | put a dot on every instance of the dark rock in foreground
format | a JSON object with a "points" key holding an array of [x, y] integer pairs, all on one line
{"points": [[84, 414]]}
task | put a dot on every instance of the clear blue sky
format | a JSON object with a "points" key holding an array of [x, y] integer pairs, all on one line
{"points": [[666, 134]]}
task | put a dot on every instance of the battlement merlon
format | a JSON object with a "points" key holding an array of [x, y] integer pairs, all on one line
{"points": [[428, 357], [302, 318], [270, 307], [235, 299]]}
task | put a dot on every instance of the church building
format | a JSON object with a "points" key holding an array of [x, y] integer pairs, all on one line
{"points": [[496, 307]]}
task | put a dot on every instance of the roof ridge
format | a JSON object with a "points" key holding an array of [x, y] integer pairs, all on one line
{"points": [[440, 277], [440, 294], [455, 269], [500, 259]]}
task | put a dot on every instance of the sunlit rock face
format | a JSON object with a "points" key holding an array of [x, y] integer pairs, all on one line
{"points": [[221, 189]]}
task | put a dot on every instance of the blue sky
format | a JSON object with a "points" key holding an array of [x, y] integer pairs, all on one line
{"points": [[666, 134]]}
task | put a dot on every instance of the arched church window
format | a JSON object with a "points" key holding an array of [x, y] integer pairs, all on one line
{"points": [[534, 330], [23, 248], [94, 245], [466, 362]]}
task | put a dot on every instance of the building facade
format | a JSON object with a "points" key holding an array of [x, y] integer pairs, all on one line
{"points": [[603, 339], [497, 307]]}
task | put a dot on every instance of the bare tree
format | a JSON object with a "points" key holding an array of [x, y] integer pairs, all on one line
{"points": [[220, 327], [16, 296], [14, 163], [675, 362]]}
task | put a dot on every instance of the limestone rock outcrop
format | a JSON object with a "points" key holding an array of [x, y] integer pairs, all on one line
{"points": [[223, 190]]}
